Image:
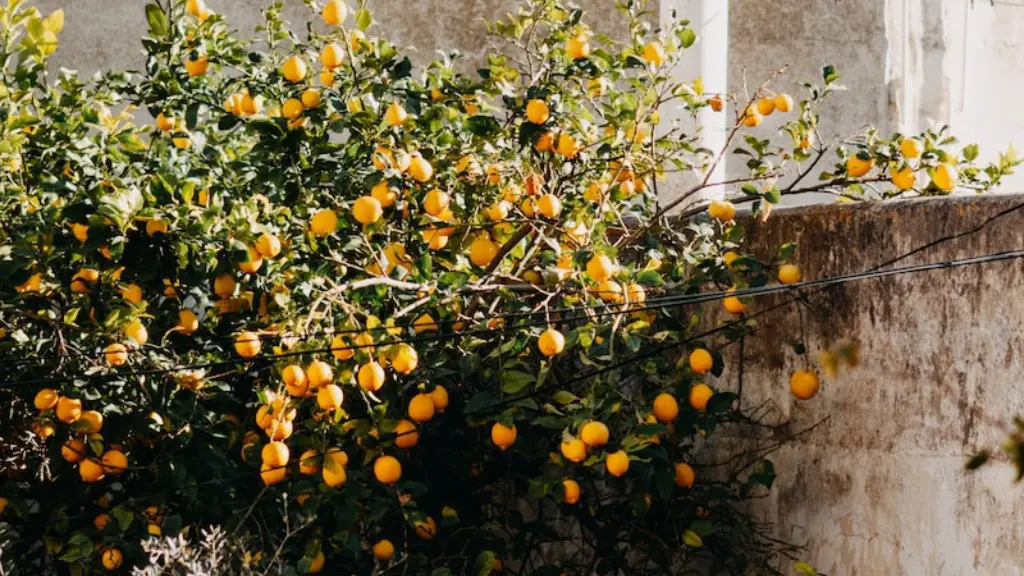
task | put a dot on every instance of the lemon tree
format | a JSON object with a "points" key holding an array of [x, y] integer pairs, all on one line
{"points": [[366, 318]]}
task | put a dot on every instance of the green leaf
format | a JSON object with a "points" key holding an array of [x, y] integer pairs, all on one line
{"points": [[484, 563], [977, 461], [971, 152], [804, 569], [649, 278], [564, 397], [158, 24], [54, 22], [514, 382], [692, 539], [363, 19], [483, 126], [123, 516]]}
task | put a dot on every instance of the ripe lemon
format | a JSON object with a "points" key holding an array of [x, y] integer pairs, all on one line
{"points": [[341, 349], [617, 463], [323, 222], [268, 245], [684, 475], [317, 564], [440, 397], [549, 206], [574, 450], [310, 98], [636, 294], [248, 344], [69, 410], [251, 105], [275, 454], [197, 67], [420, 169], [132, 293], [783, 103], [395, 114], [665, 408], [319, 373], [537, 111], [101, 520], [426, 529], [111, 559], [292, 108], [789, 274], [156, 226], [371, 376], [701, 361], [188, 322], [280, 430], [91, 422], [904, 179], [551, 342], [944, 177], [90, 470], [570, 491], [503, 436], [356, 38], [700, 394], [294, 379], [594, 434], [406, 434], [859, 164], [733, 304], [309, 462], [387, 469], [577, 47], [405, 359], [253, 264], [610, 291], [765, 106], [424, 323], [116, 354], [223, 285], [333, 471], [722, 210], [272, 474], [498, 211], [46, 399], [164, 124], [654, 53], [752, 118], [567, 146], [330, 397], [334, 12], [114, 462], [383, 550], [421, 408], [332, 55], [73, 450], [294, 69], [482, 251], [804, 385], [436, 202], [385, 194], [910, 148], [367, 210]]}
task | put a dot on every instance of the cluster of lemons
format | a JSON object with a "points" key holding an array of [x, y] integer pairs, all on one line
{"points": [[85, 426]]}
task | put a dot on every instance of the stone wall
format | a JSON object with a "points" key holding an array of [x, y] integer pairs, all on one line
{"points": [[879, 487]]}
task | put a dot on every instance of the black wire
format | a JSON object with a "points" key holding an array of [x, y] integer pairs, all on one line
{"points": [[665, 303]]}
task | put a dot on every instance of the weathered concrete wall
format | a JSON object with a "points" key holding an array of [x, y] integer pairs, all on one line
{"points": [[879, 488]]}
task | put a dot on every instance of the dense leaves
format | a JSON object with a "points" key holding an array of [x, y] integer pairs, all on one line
{"points": [[324, 311]]}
